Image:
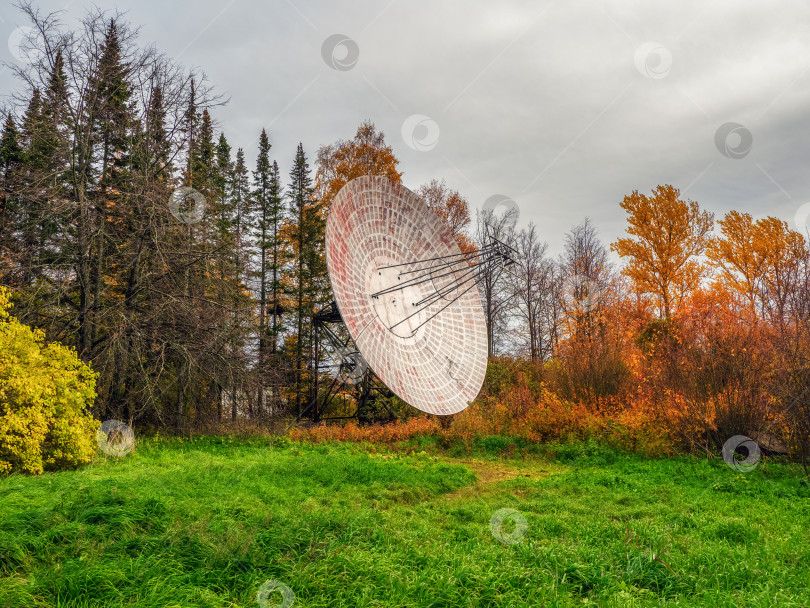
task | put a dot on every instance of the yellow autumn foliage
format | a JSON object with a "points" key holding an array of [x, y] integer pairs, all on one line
{"points": [[44, 392]]}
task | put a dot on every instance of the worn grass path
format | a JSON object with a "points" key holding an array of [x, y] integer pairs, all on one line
{"points": [[490, 473], [207, 522]]}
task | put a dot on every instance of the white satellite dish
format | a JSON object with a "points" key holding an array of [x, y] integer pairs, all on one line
{"points": [[407, 294]]}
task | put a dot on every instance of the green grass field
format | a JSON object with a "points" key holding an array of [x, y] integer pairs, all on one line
{"points": [[207, 522]]}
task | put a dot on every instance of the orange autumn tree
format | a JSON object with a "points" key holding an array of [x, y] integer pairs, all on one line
{"points": [[666, 235], [784, 251], [344, 160], [758, 260], [452, 209], [738, 255]]}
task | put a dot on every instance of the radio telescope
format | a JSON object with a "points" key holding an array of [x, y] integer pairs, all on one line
{"points": [[408, 295]]}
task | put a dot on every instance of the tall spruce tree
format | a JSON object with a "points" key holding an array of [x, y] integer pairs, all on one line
{"points": [[239, 196], [239, 188], [189, 128], [306, 228], [11, 153], [26, 219], [278, 255], [11, 158], [268, 211], [222, 209], [202, 176], [112, 120], [156, 147], [57, 125]]}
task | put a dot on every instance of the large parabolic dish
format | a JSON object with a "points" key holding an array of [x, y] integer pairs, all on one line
{"points": [[425, 339]]}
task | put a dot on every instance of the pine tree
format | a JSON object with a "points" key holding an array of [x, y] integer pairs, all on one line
{"points": [[278, 254], [26, 216], [32, 111], [112, 115], [240, 202], [11, 157], [203, 159], [42, 184], [268, 211], [190, 127], [11, 153], [156, 151], [222, 208], [132, 288], [306, 229], [227, 189], [30, 129], [264, 215], [57, 123], [112, 120]]}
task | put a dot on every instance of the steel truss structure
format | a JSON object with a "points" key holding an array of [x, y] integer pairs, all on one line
{"points": [[350, 374]]}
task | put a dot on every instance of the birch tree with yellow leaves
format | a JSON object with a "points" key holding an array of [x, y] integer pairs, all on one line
{"points": [[667, 235]]}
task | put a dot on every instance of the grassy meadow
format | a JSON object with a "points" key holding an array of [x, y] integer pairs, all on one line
{"points": [[208, 522]]}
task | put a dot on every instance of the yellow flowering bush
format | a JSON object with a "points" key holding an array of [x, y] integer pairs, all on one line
{"points": [[44, 390]]}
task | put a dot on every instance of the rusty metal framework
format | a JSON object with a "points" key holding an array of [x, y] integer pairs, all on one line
{"points": [[348, 372]]}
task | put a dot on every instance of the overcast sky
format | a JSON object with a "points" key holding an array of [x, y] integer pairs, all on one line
{"points": [[563, 106]]}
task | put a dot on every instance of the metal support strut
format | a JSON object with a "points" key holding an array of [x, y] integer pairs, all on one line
{"points": [[465, 269], [351, 370]]}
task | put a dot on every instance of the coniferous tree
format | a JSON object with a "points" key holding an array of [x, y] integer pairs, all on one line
{"points": [[268, 210], [278, 254], [264, 215], [11, 157], [306, 229], [156, 148], [224, 166], [41, 183], [111, 120], [240, 200], [239, 196], [26, 212], [223, 209], [190, 127], [57, 123], [54, 179], [11, 153], [30, 121], [203, 158]]}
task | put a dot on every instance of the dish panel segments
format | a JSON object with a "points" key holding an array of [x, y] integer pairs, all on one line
{"points": [[435, 363]]}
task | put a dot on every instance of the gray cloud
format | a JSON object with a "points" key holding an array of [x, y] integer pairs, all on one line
{"points": [[541, 102]]}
